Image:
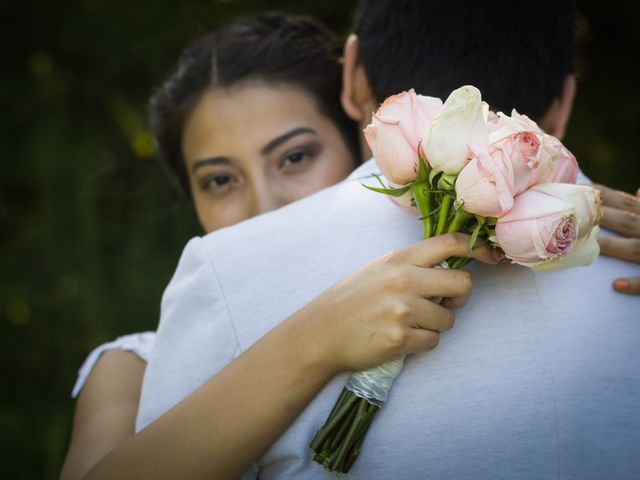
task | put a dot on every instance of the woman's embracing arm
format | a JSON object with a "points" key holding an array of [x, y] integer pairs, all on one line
{"points": [[105, 411], [380, 312]]}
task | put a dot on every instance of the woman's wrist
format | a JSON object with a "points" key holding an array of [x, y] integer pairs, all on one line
{"points": [[311, 344]]}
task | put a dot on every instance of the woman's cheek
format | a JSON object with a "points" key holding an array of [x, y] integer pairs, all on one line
{"points": [[214, 214]]}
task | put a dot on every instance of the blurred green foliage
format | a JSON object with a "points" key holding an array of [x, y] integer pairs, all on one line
{"points": [[90, 230]]}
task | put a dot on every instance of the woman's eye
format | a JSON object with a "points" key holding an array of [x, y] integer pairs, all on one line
{"points": [[218, 183], [295, 159]]}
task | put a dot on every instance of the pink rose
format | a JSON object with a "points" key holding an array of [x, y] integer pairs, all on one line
{"points": [[565, 165], [551, 226], [502, 125], [487, 184], [395, 131]]}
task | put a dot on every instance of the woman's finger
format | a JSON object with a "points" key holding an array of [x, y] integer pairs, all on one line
{"points": [[630, 286], [427, 315], [623, 248], [624, 222], [421, 340], [455, 302], [439, 282], [433, 251], [618, 199]]}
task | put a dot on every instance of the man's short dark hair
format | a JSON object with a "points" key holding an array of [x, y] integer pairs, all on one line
{"points": [[516, 52]]}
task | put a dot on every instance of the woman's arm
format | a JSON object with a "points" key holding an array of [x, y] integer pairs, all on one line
{"points": [[622, 215], [378, 313], [105, 411]]}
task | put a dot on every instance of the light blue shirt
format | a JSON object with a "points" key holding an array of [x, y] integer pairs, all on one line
{"points": [[539, 378]]}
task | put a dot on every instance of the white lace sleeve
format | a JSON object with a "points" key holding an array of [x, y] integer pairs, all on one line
{"points": [[139, 343]]}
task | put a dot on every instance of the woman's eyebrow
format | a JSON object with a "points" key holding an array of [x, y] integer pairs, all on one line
{"points": [[269, 147], [210, 161]]}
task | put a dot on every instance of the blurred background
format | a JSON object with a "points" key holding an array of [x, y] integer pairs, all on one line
{"points": [[90, 230]]}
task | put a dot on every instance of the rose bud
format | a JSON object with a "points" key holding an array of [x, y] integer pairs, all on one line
{"points": [[462, 122], [394, 134]]}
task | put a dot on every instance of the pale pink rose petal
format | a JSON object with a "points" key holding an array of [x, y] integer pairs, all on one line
{"points": [[482, 185], [565, 165], [413, 113], [583, 254], [395, 131], [537, 228], [394, 156], [583, 198], [503, 125]]}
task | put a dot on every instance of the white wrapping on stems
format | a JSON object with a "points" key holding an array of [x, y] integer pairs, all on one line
{"points": [[374, 384]]}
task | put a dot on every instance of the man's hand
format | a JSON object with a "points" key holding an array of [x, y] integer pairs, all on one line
{"points": [[622, 215]]}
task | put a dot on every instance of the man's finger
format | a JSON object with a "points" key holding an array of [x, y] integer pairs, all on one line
{"points": [[622, 221], [623, 248], [630, 286], [618, 199], [433, 251]]}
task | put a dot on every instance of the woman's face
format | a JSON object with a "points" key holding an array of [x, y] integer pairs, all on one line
{"points": [[255, 148]]}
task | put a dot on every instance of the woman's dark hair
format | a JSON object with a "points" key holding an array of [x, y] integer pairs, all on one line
{"points": [[270, 47]]}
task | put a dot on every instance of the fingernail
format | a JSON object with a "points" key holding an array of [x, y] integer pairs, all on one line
{"points": [[498, 256], [621, 284]]}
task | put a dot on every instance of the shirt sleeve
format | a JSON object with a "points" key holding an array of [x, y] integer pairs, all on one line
{"points": [[139, 343], [195, 337]]}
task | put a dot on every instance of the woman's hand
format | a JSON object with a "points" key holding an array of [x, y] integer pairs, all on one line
{"points": [[382, 311], [622, 215]]}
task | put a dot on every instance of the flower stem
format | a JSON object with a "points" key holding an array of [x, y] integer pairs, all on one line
{"points": [[337, 463], [356, 449], [341, 432], [332, 422], [458, 221], [443, 216], [337, 443], [422, 197]]}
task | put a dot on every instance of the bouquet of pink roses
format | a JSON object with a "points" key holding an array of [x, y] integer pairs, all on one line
{"points": [[466, 169]]}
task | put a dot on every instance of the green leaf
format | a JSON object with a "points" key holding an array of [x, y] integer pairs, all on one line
{"points": [[377, 177], [423, 170], [394, 192], [474, 236], [432, 175], [447, 182]]}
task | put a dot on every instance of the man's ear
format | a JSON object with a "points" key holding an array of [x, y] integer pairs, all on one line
{"points": [[356, 97], [555, 121]]}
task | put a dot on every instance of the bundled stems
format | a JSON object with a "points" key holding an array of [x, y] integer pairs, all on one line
{"points": [[337, 443]]}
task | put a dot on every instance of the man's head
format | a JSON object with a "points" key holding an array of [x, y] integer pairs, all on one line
{"points": [[519, 54]]}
